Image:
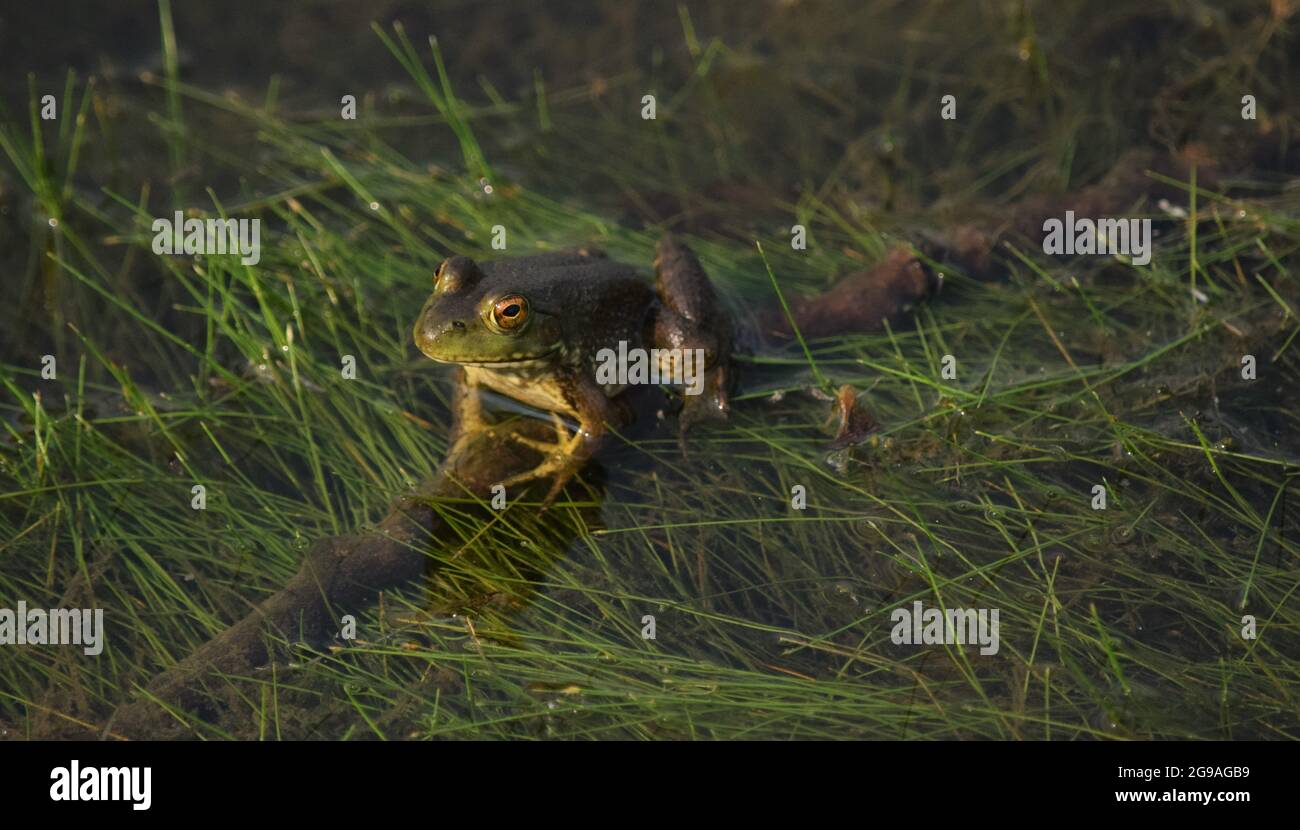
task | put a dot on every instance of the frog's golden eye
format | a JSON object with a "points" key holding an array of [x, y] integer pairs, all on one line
{"points": [[437, 275], [510, 312]]}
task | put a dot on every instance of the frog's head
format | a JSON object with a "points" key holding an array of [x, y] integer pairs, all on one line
{"points": [[474, 317]]}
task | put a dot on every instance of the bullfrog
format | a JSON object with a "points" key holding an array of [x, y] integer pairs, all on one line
{"points": [[535, 328]]}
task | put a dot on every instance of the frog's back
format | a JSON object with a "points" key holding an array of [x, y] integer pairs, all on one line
{"points": [[599, 301]]}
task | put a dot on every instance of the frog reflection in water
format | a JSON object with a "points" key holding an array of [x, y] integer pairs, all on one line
{"points": [[531, 329]]}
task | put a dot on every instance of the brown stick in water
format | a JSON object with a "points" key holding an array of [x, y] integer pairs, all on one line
{"points": [[345, 572]]}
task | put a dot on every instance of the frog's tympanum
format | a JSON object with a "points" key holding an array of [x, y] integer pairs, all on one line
{"points": [[530, 328]]}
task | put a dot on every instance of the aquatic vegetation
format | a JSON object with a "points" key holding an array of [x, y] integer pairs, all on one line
{"points": [[1098, 449]]}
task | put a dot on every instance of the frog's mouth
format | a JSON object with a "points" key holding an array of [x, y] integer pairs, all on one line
{"points": [[518, 359]]}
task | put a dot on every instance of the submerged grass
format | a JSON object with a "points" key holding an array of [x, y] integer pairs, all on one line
{"points": [[771, 622]]}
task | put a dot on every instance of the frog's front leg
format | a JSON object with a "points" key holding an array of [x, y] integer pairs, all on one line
{"points": [[691, 317], [570, 451], [467, 410]]}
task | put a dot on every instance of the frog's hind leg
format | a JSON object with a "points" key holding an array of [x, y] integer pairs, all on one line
{"points": [[691, 317], [692, 357]]}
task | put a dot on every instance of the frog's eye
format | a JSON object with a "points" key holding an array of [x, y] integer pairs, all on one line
{"points": [[510, 312], [437, 275]]}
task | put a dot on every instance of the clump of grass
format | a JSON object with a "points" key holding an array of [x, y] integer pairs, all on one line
{"points": [[770, 622]]}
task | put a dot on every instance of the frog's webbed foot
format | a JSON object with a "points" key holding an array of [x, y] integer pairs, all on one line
{"points": [[711, 404], [563, 458]]}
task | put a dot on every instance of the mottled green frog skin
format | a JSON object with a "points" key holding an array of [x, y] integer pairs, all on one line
{"points": [[530, 328]]}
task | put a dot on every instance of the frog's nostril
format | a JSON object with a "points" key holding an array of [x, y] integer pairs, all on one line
{"points": [[457, 324]]}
